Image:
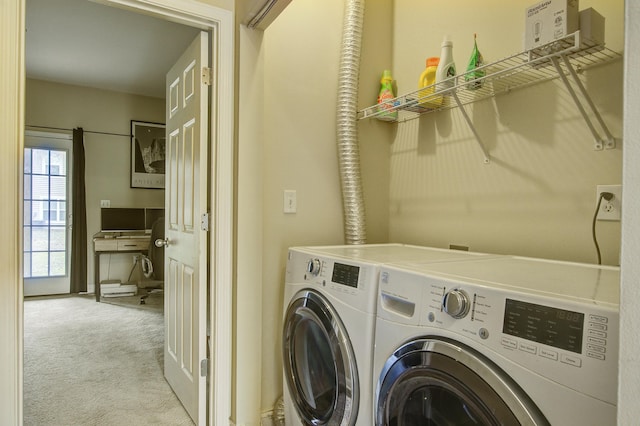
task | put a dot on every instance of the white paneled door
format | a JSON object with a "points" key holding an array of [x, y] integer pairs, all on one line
{"points": [[186, 241]]}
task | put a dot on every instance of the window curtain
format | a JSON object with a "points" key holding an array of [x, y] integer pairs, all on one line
{"points": [[79, 217]]}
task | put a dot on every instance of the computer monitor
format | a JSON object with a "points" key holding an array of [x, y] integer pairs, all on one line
{"points": [[151, 215], [118, 219]]}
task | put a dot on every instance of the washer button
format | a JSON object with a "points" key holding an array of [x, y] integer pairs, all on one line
{"points": [[597, 333], [508, 343], [597, 326], [528, 348], [598, 318], [596, 355], [571, 360], [596, 341], [549, 354], [483, 333], [595, 348]]}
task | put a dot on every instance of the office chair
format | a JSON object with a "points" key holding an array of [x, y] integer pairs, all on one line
{"points": [[153, 263]]}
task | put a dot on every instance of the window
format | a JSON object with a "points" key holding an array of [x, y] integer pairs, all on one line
{"points": [[45, 212]]}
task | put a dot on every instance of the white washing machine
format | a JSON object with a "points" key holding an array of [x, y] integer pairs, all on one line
{"points": [[498, 341], [330, 304]]}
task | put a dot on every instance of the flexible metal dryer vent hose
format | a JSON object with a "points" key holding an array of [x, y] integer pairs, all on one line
{"points": [[347, 131]]}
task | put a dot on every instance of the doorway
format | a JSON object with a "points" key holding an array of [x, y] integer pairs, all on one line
{"points": [[219, 22]]}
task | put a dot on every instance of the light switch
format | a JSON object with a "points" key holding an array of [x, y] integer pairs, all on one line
{"points": [[105, 203], [290, 201]]}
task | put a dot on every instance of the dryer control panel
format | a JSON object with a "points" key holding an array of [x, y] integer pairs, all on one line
{"points": [[352, 281]]}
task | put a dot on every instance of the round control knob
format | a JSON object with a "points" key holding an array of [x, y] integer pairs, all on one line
{"points": [[456, 303], [313, 267]]}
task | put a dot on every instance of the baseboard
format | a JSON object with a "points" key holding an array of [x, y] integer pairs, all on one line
{"points": [[267, 419]]}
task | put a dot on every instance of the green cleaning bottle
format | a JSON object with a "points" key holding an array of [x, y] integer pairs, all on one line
{"points": [[385, 97], [473, 74]]}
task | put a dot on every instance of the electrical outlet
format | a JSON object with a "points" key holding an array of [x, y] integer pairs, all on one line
{"points": [[609, 210]]}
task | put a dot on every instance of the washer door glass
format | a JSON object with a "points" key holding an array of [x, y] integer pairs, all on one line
{"points": [[439, 382], [319, 363]]}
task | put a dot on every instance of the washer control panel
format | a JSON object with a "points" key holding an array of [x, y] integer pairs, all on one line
{"points": [[541, 325], [571, 342], [565, 341], [559, 328]]}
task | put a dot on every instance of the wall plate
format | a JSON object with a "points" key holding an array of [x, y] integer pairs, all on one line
{"points": [[610, 210]]}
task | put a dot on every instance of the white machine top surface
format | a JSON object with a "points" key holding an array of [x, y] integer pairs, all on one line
{"points": [[585, 282], [386, 253]]}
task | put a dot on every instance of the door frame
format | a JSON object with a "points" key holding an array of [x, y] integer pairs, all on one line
{"points": [[220, 22]]}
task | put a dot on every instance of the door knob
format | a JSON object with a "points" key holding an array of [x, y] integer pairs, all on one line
{"points": [[162, 243]]}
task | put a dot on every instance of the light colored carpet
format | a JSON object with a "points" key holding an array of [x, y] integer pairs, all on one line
{"points": [[89, 363]]}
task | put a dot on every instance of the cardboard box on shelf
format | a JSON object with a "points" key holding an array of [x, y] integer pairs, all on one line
{"points": [[550, 20], [591, 28]]}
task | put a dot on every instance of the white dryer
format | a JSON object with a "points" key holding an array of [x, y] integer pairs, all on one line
{"points": [[499, 341], [329, 317]]}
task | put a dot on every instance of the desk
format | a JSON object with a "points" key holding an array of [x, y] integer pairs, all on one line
{"points": [[104, 244]]}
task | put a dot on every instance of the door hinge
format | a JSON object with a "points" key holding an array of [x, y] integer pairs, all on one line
{"points": [[204, 367], [204, 222], [207, 76]]}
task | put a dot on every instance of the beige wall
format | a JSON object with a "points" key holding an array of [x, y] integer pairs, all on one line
{"points": [[424, 180], [248, 289], [107, 157], [301, 59], [537, 196]]}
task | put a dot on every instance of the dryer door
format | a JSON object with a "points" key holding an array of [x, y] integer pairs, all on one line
{"points": [[319, 363], [437, 381]]}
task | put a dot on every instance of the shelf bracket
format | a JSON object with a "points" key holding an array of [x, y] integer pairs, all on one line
{"points": [[608, 141], [454, 95]]}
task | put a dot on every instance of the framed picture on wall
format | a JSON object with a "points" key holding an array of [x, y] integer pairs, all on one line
{"points": [[148, 143]]}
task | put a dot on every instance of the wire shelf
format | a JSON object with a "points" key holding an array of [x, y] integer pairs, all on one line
{"points": [[510, 73]]}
